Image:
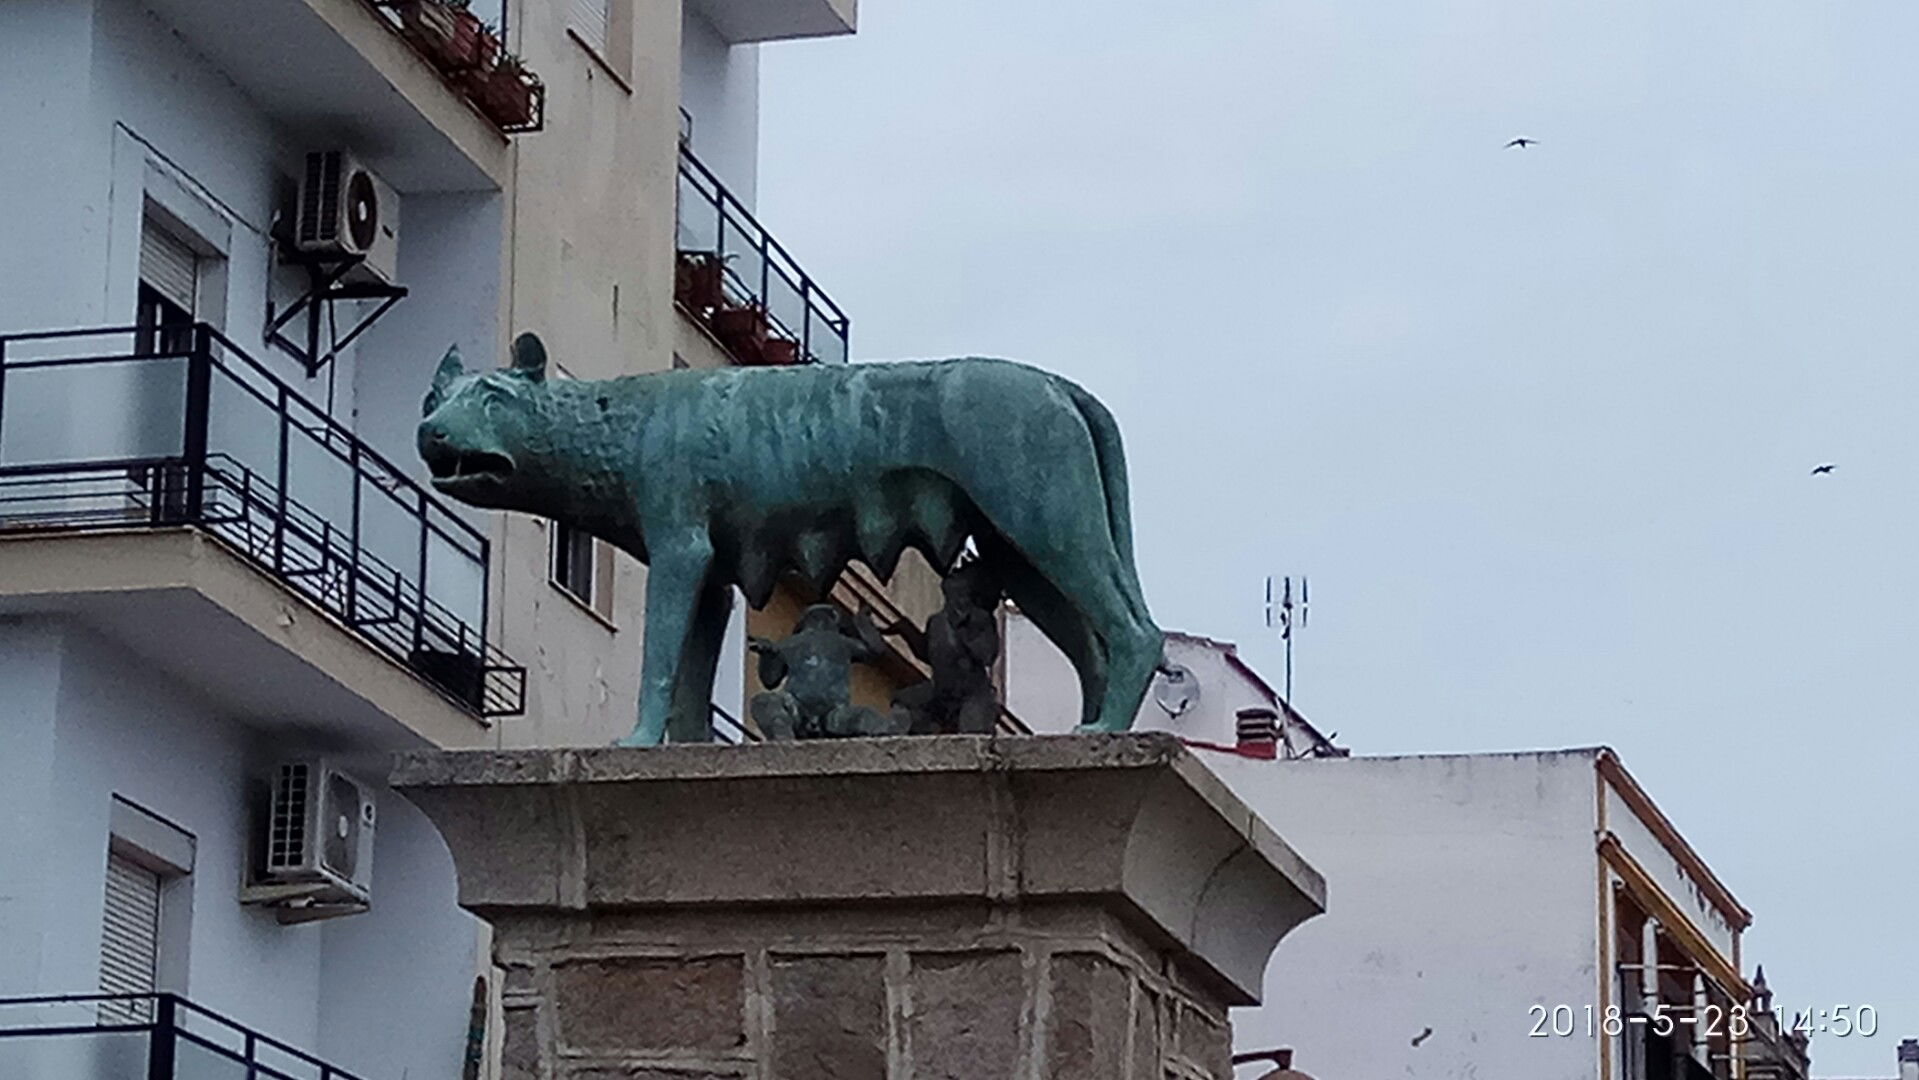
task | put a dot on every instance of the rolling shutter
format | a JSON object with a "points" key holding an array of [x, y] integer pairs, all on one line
{"points": [[130, 936], [590, 19], [171, 267]]}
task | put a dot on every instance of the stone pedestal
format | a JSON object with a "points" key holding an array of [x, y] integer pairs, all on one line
{"points": [[970, 908]]}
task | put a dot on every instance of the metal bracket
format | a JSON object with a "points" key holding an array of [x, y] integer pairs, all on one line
{"points": [[327, 286]]}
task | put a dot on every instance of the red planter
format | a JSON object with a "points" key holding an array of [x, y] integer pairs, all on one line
{"points": [[780, 352], [453, 38], [509, 96], [742, 330]]}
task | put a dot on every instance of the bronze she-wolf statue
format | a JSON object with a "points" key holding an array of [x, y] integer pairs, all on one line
{"points": [[733, 476]]}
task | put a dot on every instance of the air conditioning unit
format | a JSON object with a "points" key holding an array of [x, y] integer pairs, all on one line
{"points": [[346, 211], [316, 856]]}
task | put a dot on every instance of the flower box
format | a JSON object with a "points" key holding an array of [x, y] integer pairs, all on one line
{"points": [[743, 330], [780, 352], [508, 94], [453, 38]]}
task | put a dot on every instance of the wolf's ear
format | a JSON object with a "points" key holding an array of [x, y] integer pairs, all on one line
{"points": [[450, 369], [529, 357]]}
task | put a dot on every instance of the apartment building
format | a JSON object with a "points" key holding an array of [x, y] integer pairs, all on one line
{"points": [[1487, 914], [241, 237], [1510, 913]]}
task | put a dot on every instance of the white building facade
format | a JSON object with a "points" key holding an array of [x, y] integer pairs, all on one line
{"points": [[1199, 698], [219, 553], [1490, 914], [1487, 914]]}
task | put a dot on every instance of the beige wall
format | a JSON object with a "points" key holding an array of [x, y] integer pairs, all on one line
{"points": [[589, 264]]}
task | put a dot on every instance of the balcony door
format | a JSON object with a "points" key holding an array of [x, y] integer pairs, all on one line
{"points": [[169, 290]]}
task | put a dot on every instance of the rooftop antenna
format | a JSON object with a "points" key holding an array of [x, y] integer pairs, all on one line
{"points": [[1284, 615]]}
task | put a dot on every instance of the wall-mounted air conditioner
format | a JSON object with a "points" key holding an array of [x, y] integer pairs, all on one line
{"points": [[314, 859], [346, 211]]}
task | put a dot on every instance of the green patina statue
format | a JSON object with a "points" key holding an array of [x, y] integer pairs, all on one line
{"points": [[808, 676], [734, 476], [960, 644]]}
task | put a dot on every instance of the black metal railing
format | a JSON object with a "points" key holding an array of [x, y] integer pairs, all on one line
{"points": [[754, 273], [728, 729], [126, 428], [148, 1036]]}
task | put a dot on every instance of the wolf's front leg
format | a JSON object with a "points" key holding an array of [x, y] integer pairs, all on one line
{"points": [[674, 580]]}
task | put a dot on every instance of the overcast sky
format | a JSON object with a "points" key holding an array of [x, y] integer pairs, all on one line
{"points": [[1538, 423]]}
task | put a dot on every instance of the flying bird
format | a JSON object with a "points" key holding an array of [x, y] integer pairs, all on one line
{"points": [[1522, 143], [1821, 470]]}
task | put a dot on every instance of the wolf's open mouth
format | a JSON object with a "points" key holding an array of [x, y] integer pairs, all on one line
{"points": [[465, 463]]}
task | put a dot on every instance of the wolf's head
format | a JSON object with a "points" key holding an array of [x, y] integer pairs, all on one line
{"points": [[485, 437]]}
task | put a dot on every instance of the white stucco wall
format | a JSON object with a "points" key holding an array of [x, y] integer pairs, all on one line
{"points": [[720, 87], [156, 104], [30, 676], [450, 264], [1672, 878], [1041, 688], [382, 993], [1461, 891], [45, 255], [1043, 691]]}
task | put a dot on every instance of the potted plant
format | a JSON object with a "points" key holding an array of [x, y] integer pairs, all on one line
{"points": [[506, 92], [699, 281], [742, 329], [452, 37], [779, 351]]}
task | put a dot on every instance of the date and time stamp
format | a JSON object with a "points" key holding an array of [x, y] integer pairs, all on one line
{"points": [[1568, 1021]]}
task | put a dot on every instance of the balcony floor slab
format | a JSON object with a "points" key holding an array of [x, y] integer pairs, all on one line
{"points": [[184, 602], [332, 73]]}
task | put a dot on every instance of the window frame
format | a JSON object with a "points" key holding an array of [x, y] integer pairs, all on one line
{"points": [[150, 844], [570, 559], [596, 567], [614, 52]]}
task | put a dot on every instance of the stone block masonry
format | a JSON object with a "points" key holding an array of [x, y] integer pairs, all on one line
{"points": [[933, 909]]}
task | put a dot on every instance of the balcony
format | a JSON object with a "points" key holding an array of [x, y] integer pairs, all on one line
{"points": [[151, 1036], [470, 56], [736, 280], [743, 22], [343, 72], [123, 430]]}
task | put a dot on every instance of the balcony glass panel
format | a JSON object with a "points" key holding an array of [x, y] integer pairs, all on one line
{"points": [[243, 429], [699, 217], [450, 581], [104, 411], [212, 439], [191, 1061]]}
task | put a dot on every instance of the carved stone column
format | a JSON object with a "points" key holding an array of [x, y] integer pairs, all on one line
{"points": [[873, 909]]}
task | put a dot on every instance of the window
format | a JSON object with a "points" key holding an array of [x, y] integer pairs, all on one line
{"points": [[605, 27], [169, 290], [146, 911], [590, 19], [130, 937], [582, 567]]}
